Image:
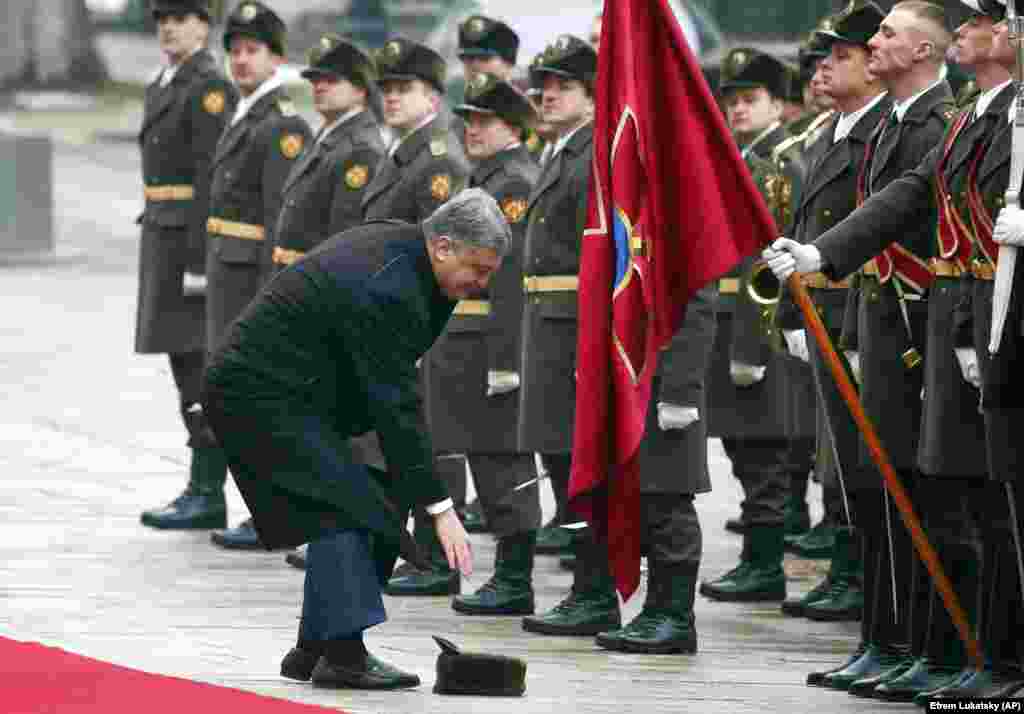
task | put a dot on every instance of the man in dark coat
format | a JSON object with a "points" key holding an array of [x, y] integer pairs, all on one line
{"points": [[951, 450], [473, 405], [187, 107], [252, 160], [423, 168], [323, 191], [313, 394]]}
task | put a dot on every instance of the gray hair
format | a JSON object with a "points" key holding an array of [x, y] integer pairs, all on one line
{"points": [[471, 217]]}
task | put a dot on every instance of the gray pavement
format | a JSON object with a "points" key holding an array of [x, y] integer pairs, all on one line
{"points": [[89, 436]]}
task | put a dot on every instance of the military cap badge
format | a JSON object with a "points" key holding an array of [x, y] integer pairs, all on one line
{"points": [[392, 50], [441, 186], [248, 13], [475, 27], [291, 145], [326, 43], [214, 102], [356, 176]]}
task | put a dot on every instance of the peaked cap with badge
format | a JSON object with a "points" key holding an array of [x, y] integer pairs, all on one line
{"points": [[162, 8], [481, 36], [814, 48], [856, 24], [401, 58], [487, 94], [334, 56], [747, 68], [478, 674], [569, 57], [257, 21]]}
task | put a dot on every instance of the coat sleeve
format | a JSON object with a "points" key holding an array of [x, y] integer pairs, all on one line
{"points": [[210, 106], [286, 141], [352, 176], [381, 341], [685, 362], [503, 332]]}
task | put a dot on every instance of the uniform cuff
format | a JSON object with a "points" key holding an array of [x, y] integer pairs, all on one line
{"points": [[436, 509]]}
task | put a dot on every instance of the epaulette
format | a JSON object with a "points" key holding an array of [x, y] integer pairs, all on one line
{"points": [[814, 126], [439, 144], [287, 107]]}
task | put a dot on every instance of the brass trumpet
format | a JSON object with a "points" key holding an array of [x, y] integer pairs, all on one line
{"points": [[763, 287]]}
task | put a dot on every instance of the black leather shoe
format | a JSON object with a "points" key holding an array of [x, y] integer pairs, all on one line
{"points": [[437, 581], [866, 687], [578, 614], [980, 684], [923, 676], [921, 698], [371, 673], [297, 558], [817, 679], [653, 632], [498, 596], [874, 661], [298, 664], [189, 511], [241, 537], [844, 601]]}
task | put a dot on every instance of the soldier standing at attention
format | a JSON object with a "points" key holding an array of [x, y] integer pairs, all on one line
{"points": [[751, 385], [951, 451], [422, 169], [479, 355], [252, 160], [187, 106], [323, 191]]}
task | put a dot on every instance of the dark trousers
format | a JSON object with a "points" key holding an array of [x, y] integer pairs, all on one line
{"points": [[187, 368], [670, 529], [341, 596], [558, 466], [507, 510], [761, 467]]}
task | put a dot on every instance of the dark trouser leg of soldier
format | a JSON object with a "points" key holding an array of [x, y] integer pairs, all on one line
{"points": [[818, 541], [673, 547], [440, 579], [514, 517], [592, 605], [201, 504], [732, 446], [552, 538], [799, 463], [760, 464]]}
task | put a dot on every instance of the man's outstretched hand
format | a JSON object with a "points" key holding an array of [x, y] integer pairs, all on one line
{"points": [[454, 541]]}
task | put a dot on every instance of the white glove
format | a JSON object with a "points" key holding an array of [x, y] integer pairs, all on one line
{"points": [[968, 359], [853, 358], [796, 341], [501, 382], [785, 256], [193, 284], [673, 416], [1009, 228], [746, 375]]}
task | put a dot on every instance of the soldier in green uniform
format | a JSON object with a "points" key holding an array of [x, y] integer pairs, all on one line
{"points": [[422, 169], [476, 404], [954, 490], [750, 380], [254, 156], [323, 191], [186, 109]]}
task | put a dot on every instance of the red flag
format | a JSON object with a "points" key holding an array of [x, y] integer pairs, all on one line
{"points": [[672, 207]]}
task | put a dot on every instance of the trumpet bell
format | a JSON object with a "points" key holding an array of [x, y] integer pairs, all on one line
{"points": [[763, 287]]}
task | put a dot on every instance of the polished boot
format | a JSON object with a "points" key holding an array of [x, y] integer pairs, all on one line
{"points": [[300, 661], [815, 544], [875, 660], [346, 664], [510, 589], [552, 539], [762, 579], [438, 579], [817, 678], [473, 518], [845, 598], [241, 537], [592, 605], [666, 623], [865, 687], [201, 504]]}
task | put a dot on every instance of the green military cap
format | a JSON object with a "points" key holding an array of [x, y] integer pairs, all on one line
{"points": [[569, 57], [257, 21], [481, 36], [487, 94], [747, 68], [400, 58], [814, 47], [478, 674], [162, 8], [995, 9], [334, 56], [855, 24]]}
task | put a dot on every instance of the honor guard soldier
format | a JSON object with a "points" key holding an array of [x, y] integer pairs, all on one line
{"points": [[252, 160], [750, 386], [187, 107], [472, 401], [423, 168], [547, 397], [953, 490], [486, 46]]}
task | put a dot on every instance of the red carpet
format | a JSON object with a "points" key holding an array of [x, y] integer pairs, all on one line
{"points": [[45, 680]]}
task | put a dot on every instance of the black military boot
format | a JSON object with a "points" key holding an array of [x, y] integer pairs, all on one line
{"points": [[815, 544], [473, 518], [298, 664], [439, 579], [510, 589], [591, 606], [666, 624], [763, 579], [844, 599], [797, 519], [201, 504], [552, 539], [241, 537]]}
